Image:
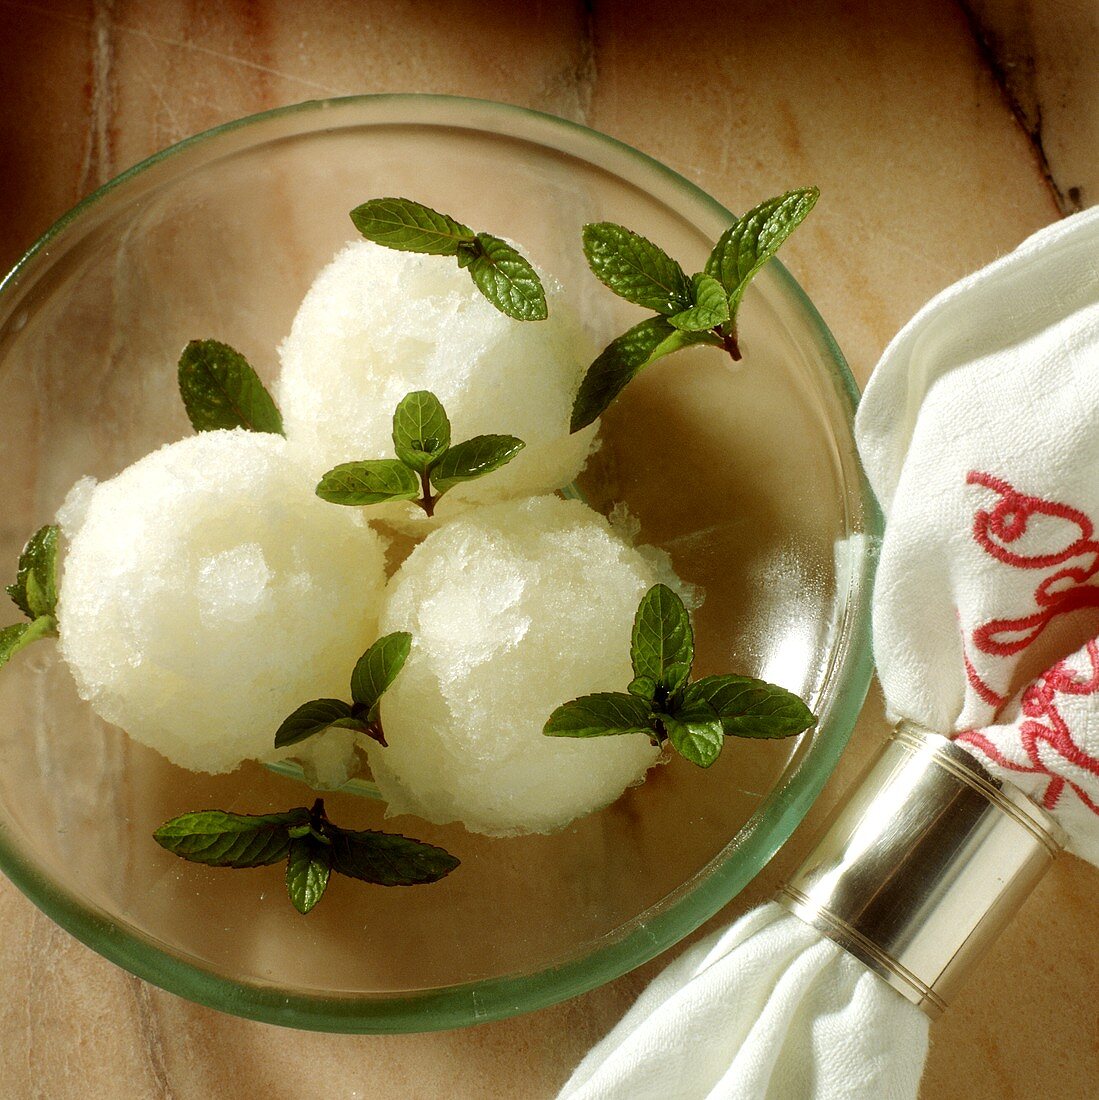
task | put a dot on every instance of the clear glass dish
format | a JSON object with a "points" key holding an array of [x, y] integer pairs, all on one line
{"points": [[747, 475]]}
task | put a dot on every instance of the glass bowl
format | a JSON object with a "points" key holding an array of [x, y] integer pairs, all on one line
{"points": [[746, 474]]}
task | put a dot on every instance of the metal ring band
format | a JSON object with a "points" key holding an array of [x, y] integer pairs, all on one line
{"points": [[923, 865]]}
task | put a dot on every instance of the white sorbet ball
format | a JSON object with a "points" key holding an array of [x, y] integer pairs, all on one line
{"points": [[377, 324], [207, 592], [513, 610]]}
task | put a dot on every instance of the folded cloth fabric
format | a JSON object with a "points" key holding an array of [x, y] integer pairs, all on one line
{"points": [[764, 1010], [979, 431]]}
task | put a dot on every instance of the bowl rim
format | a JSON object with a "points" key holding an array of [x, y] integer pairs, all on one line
{"points": [[649, 934]]}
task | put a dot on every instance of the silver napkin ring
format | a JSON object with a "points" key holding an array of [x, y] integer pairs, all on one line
{"points": [[923, 866]]}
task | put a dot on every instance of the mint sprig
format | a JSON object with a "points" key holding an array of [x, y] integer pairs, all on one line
{"points": [[662, 703], [221, 390], [374, 672], [312, 846], [700, 310], [498, 271], [427, 464], [34, 592]]}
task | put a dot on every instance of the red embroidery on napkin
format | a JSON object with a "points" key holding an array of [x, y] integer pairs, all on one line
{"points": [[997, 531], [1045, 724], [1065, 590], [992, 698]]}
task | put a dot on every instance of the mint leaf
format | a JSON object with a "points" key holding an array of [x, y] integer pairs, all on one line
{"points": [[695, 733], [222, 839], [599, 715], [711, 306], [377, 668], [307, 871], [506, 279], [221, 390], [314, 717], [410, 227], [369, 482], [20, 635], [644, 687], [662, 644], [636, 269], [35, 589], [468, 251], [472, 459], [12, 640], [421, 430], [751, 708], [752, 240], [388, 859], [618, 363]]}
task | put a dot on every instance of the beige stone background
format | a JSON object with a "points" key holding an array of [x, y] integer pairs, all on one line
{"points": [[942, 133]]}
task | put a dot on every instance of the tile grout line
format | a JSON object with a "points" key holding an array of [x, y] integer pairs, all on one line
{"points": [[149, 1028], [1066, 202], [95, 166], [586, 67]]}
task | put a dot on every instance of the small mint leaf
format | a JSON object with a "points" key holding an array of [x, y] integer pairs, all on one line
{"points": [[711, 306], [377, 668], [421, 430], [635, 268], [20, 635], [617, 365], [606, 713], [410, 227], [468, 251], [644, 687], [662, 644], [34, 591], [12, 640], [220, 390], [753, 239], [311, 718], [751, 708], [507, 280], [307, 869], [388, 859], [222, 839], [370, 482], [473, 459], [695, 733]]}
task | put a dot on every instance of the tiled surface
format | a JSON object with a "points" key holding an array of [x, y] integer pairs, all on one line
{"points": [[894, 109]]}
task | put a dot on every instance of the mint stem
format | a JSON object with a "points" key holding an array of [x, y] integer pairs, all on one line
{"points": [[661, 733], [428, 502], [729, 341]]}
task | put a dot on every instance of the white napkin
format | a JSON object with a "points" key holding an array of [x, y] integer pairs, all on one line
{"points": [[764, 1010], [979, 431]]}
